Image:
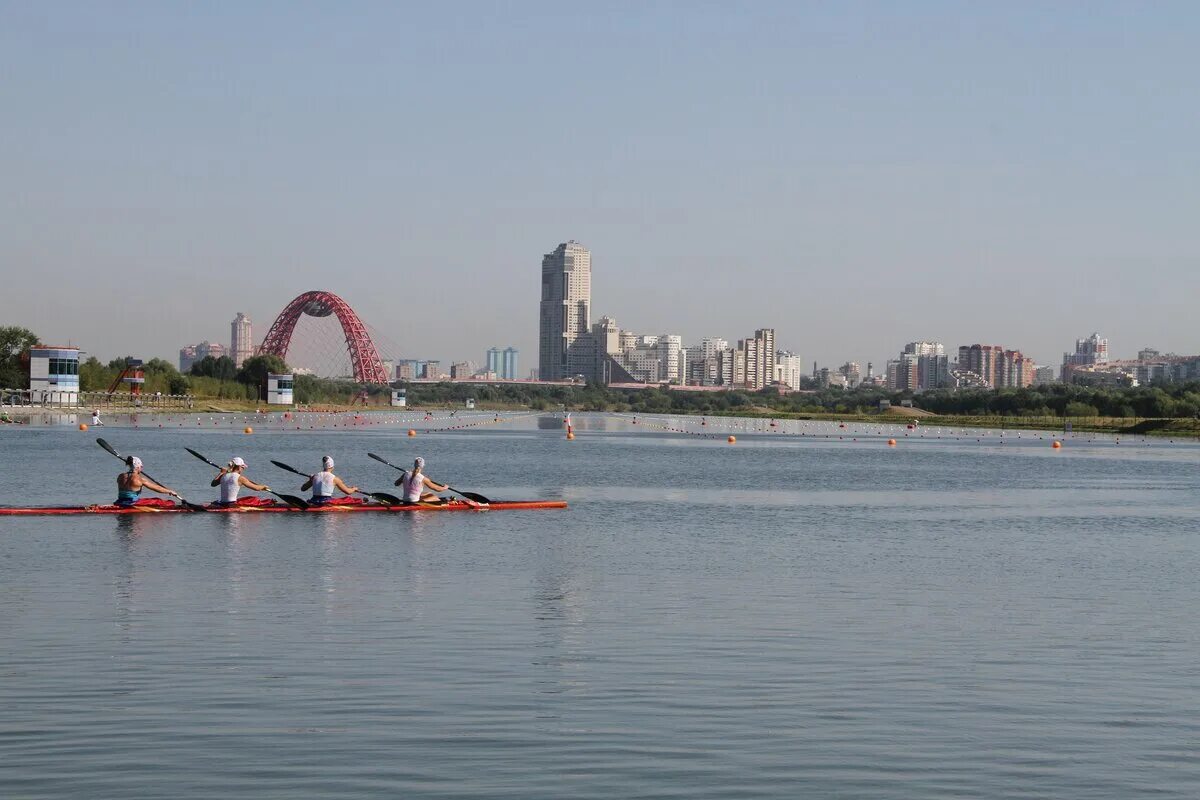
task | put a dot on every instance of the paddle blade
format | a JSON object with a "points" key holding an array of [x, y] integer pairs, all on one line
{"points": [[291, 500], [381, 460], [387, 499], [284, 466], [478, 498], [108, 447], [192, 506]]}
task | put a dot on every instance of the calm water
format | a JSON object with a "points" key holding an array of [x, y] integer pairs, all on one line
{"points": [[790, 616]]}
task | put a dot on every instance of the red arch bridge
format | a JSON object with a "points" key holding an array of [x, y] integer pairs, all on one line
{"points": [[364, 356]]}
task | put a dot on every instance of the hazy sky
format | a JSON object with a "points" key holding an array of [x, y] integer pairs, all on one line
{"points": [[854, 175]]}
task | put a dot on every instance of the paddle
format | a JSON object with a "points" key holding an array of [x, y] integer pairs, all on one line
{"points": [[386, 499], [290, 499], [472, 496], [184, 503]]}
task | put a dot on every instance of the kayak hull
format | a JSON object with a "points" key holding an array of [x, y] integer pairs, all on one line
{"points": [[503, 505]]}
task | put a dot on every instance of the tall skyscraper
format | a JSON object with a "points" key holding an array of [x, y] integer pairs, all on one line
{"points": [[508, 364], [241, 345], [563, 343], [758, 355], [493, 362]]}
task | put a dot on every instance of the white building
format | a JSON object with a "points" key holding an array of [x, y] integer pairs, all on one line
{"points": [[54, 374], [788, 369], [241, 339], [279, 389]]}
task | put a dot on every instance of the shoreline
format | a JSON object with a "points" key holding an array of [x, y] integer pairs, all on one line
{"points": [[1133, 426]]}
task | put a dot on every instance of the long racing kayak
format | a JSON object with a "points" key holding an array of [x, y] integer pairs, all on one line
{"points": [[456, 505]]}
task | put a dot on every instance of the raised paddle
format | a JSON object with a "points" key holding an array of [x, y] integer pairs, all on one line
{"points": [[386, 499], [184, 503], [290, 499], [474, 497]]}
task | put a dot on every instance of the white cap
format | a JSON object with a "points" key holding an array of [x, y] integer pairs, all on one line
{"points": [[327, 462], [134, 462], [418, 463], [238, 461]]}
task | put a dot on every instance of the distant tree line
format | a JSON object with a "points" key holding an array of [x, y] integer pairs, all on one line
{"points": [[1052, 400]]}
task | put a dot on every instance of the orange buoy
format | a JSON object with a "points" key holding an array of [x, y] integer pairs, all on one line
{"points": [[891, 442], [411, 432], [570, 436], [83, 426], [732, 439], [1057, 444], [248, 429]]}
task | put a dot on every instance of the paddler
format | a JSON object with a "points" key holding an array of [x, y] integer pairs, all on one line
{"points": [[414, 482], [231, 480], [324, 482], [131, 483]]}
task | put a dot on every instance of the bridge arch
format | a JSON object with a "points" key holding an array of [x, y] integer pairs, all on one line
{"points": [[364, 356]]}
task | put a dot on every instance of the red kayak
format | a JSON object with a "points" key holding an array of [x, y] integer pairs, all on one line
{"points": [[280, 508]]}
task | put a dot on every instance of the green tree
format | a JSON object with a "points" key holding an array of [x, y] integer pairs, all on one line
{"points": [[119, 363], [178, 384], [160, 365], [14, 343], [254, 370], [1078, 409], [221, 368]]}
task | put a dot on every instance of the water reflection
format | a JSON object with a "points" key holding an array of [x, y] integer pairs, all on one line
{"points": [[559, 621]]}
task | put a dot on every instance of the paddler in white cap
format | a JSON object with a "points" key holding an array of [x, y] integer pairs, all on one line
{"points": [[413, 483], [131, 482], [231, 479], [324, 482]]}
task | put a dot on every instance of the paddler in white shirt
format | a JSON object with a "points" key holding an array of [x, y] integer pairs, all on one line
{"points": [[324, 482], [231, 480]]}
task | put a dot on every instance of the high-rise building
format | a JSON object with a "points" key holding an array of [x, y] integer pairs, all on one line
{"points": [[460, 370], [922, 366], [1016, 370], [502, 363], [982, 360], [711, 346], [725, 366], [788, 369], [995, 366], [241, 339], [508, 364], [1088, 352], [758, 359], [565, 314]]}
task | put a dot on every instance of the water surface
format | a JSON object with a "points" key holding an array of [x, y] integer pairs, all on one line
{"points": [[963, 615]]}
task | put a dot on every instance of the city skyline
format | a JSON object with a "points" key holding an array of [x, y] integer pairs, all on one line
{"points": [[1034, 191]]}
